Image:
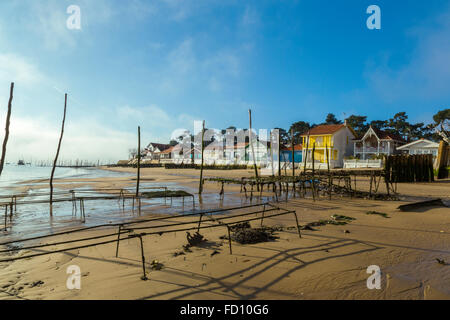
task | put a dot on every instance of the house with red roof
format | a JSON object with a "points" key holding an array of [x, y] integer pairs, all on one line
{"points": [[153, 150], [182, 153], [286, 153], [375, 143], [166, 155], [327, 144]]}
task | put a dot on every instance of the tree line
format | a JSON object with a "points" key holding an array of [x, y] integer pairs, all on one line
{"points": [[398, 125]]}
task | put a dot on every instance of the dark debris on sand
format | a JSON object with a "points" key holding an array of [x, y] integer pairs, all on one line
{"points": [[245, 234]]}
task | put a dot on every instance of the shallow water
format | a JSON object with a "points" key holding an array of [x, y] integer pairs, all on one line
{"points": [[34, 219], [14, 176]]}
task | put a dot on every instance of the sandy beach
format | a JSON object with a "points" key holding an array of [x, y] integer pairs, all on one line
{"points": [[329, 262]]}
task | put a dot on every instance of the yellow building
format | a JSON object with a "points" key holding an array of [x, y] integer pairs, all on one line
{"points": [[334, 141]]}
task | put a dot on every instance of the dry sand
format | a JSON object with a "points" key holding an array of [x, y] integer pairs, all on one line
{"points": [[325, 264]]}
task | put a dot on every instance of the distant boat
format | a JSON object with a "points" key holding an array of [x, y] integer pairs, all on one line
{"points": [[21, 163]]}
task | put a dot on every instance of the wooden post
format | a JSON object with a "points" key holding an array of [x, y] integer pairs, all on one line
{"points": [[263, 214], [8, 118], [84, 212], [313, 186], [387, 173], [430, 167], [138, 163], [199, 222], [6, 217], [118, 240], [144, 277], [57, 154], [229, 239], [442, 160], [329, 175], [293, 161], [285, 168], [306, 154], [200, 186], [251, 145], [271, 153], [298, 227], [328, 158]]}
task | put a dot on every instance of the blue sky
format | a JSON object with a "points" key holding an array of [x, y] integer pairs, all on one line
{"points": [[162, 64]]}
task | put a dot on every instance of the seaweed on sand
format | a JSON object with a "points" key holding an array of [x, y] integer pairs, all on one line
{"points": [[243, 225], [337, 220], [248, 235], [337, 217], [167, 193], [378, 213]]}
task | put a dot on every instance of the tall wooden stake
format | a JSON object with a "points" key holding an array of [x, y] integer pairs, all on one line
{"points": [[253, 150], [138, 162], [271, 153], [329, 175], [441, 161], [8, 118], [312, 180], [293, 160], [306, 154], [200, 186], [57, 154]]}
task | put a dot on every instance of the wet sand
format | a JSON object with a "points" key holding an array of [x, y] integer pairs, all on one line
{"points": [[327, 263]]}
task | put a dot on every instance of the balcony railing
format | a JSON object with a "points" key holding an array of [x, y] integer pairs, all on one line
{"points": [[371, 150], [320, 145]]}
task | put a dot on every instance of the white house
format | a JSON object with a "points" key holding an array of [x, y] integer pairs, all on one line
{"points": [[422, 146], [181, 154], [153, 150], [240, 153], [376, 142], [214, 153]]}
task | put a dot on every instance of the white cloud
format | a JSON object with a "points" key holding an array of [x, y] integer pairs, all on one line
{"points": [[47, 20], [152, 115], [52, 28], [188, 66], [32, 138], [14, 68], [37, 138], [155, 122]]}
